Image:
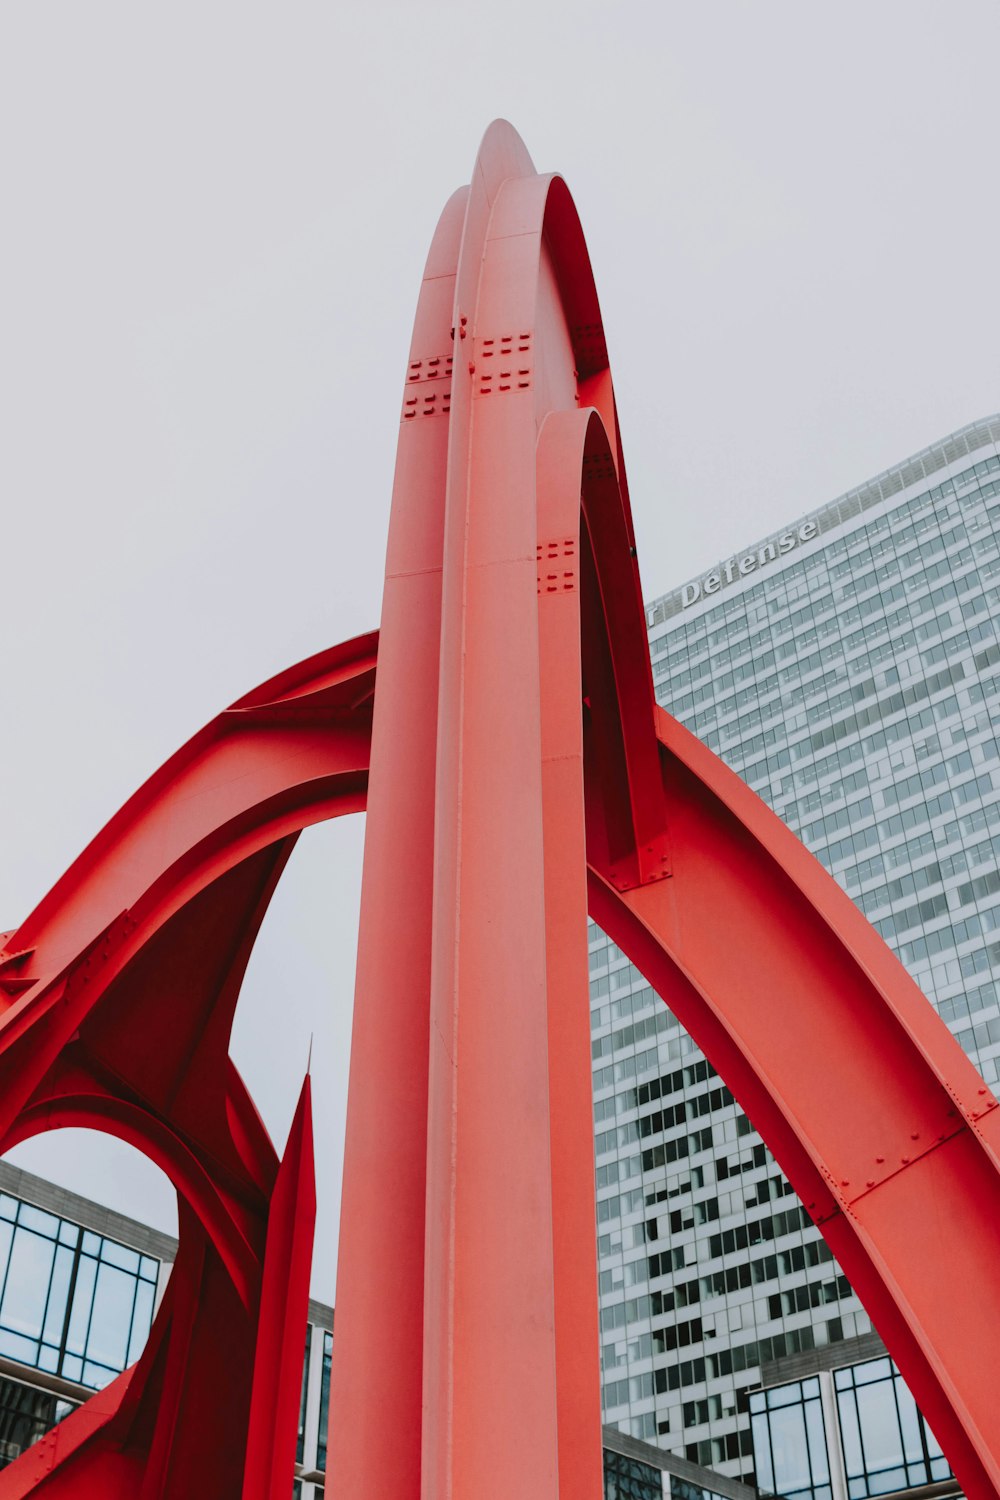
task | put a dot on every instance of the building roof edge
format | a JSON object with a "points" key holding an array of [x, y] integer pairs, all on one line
{"points": [[909, 471]]}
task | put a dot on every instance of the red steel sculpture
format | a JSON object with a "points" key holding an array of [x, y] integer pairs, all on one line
{"points": [[517, 773]]}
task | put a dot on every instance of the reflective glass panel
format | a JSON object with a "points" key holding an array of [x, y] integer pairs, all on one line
{"points": [[111, 1317], [27, 1286], [324, 1400], [74, 1304], [790, 1449], [25, 1416]]}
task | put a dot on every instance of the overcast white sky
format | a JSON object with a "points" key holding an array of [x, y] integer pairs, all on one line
{"points": [[214, 223]]}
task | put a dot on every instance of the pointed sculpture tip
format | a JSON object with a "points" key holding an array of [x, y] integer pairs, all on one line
{"points": [[502, 144], [309, 1058]]}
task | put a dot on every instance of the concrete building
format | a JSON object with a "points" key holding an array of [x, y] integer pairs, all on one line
{"points": [[848, 667]]}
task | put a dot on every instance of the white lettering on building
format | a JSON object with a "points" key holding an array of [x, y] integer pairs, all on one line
{"points": [[742, 567]]}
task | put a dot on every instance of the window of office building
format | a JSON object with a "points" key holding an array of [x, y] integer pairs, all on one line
{"points": [[683, 1489], [26, 1414], [324, 1399], [303, 1402], [789, 1441], [311, 1449], [72, 1302], [628, 1479], [886, 1442]]}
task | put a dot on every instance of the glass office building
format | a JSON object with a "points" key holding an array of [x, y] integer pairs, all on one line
{"points": [[848, 668]]}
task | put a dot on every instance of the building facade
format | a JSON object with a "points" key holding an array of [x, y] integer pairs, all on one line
{"points": [[848, 668]]}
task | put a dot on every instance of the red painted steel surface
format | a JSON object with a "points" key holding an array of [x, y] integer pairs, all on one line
{"points": [[544, 691], [379, 1363], [117, 999], [519, 774]]}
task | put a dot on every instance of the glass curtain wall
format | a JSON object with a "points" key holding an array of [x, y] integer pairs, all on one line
{"points": [[72, 1302], [887, 1445], [882, 1441]]}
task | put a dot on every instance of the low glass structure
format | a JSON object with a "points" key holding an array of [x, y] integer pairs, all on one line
{"points": [[886, 1443], [73, 1303], [879, 1445], [628, 1479], [324, 1399], [789, 1440], [684, 1489], [26, 1414]]}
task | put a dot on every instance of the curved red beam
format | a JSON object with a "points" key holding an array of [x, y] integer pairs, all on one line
{"points": [[116, 1001]]}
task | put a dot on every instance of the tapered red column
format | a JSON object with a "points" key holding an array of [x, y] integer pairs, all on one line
{"points": [[577, 1337], [490, 1415], [377, 1373]]}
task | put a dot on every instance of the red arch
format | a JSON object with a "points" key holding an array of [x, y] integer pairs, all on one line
{"points": [[118, 994]]}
